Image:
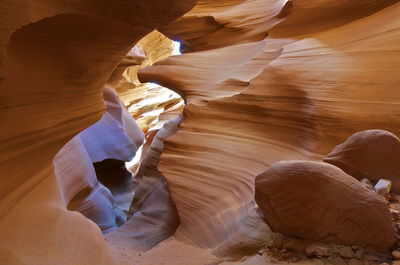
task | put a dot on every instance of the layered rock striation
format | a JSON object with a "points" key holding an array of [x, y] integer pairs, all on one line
{"points": [[293, 95], [65, 51], [265, 81]]}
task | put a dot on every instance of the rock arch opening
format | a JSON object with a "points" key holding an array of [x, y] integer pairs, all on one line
{"points": [[113, 150]]}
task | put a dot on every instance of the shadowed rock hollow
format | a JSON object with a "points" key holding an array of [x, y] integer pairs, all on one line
{"points": [[263, 81]]}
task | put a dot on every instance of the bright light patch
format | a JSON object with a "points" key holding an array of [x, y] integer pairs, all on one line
{"points": [[153, 85], [135, 160], [177, 48]]}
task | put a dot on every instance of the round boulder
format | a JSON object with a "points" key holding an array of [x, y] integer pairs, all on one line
{"points": [[371, 154], [319, 202]]}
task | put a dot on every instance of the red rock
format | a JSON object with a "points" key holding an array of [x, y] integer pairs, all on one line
{"points": [[346, 252], [319, 202], [339, 261], [294, 244], [372, 154]]}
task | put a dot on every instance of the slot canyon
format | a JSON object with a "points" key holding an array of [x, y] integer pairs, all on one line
{"points": [[199, 132]]}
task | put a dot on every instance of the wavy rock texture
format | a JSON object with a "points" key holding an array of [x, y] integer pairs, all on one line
{"points": [[153, 105], [249, 239], [313, 16], [153, 214], [319, 202], [371, 154], [80, 189], [306, 95], [216, 24], [115, 136], [59, 95], [226, 76], [150, 104], [326, 71], [150, 49]]}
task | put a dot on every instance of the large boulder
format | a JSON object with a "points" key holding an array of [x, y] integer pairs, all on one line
{"points": [[319, 202], [372, 154]]}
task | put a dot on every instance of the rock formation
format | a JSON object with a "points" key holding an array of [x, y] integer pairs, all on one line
{"points": [[65, 51], [294, 97], [114, 137], [372, 154], [153, 215], [319, 202], [264, 81]]}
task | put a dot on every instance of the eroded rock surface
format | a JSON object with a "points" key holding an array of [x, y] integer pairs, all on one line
{"points": [[296, 98], [270, 80], [319, 202], [65, 51]]}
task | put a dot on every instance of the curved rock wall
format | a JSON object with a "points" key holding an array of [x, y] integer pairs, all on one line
{"points": [[115, 136], [326, 70], [295, 98], [51, 89]]}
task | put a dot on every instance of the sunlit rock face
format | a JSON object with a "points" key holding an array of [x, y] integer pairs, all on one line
{"points": [[150, 104], [253, 104], [152, 214]]}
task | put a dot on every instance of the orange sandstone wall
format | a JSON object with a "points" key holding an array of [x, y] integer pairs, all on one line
{"points": [[55, 58], [293, 95]]}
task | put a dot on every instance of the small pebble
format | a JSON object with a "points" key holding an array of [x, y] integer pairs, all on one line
{"points": [[277, 239], [366, 183], [355, 262], [396, 254], [270, 244], [383, 187], [335, 249], [339, 261], [285, 255], [294, 244], [318, 262], [346, 252], [283, 250], [275, 251], [317, 251], [359, 253]]}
